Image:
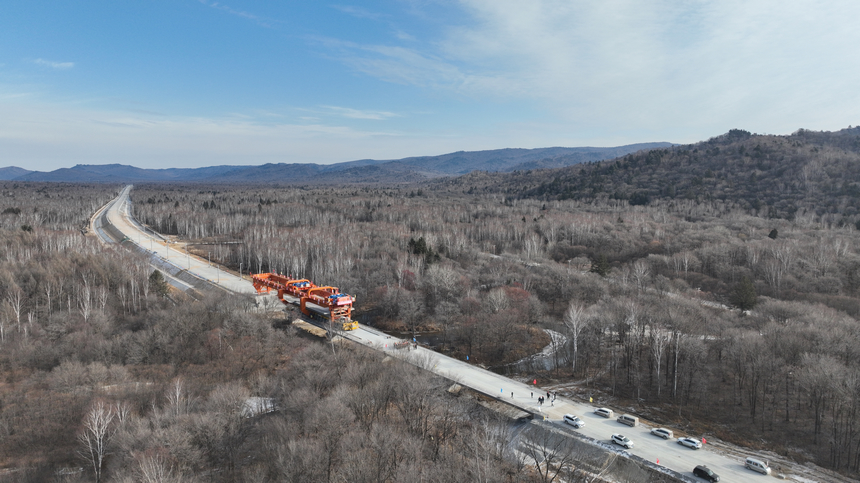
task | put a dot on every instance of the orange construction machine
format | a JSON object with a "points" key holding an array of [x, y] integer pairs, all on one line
{"points": [[325, 301]]}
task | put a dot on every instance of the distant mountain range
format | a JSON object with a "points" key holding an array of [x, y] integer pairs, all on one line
{"points": [[363, 171]]}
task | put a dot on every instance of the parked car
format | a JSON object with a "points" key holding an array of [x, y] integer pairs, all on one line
{"points": [[705, 473], [690, 443], [757, 465], [628, 419], [606, 413], [622, 440], [573, 420], [662, 432]]}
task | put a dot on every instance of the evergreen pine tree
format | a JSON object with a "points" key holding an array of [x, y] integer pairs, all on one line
{"points": [[744, 296], [157, 284], [600, 265]]}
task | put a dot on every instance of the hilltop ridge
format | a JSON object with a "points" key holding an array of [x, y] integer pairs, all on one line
{"points": [[770, 175], [413, 169]]}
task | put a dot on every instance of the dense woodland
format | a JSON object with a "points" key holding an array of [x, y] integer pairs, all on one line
{"points": [[715, 315], [648, 295], [806, 175], [105, 375]]}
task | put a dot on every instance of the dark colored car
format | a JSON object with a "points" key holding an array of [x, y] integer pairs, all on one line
{"points": [[705, 473]]}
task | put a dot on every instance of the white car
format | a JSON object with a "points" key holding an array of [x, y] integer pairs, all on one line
{"points": [[690, 442], [573, 421], [622, 440], [662, 432]]}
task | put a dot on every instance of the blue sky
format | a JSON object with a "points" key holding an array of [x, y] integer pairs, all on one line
{"points": [[188, 83]]}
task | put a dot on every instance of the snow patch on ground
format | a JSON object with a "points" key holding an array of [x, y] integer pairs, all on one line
{"points": [[801, 479]]}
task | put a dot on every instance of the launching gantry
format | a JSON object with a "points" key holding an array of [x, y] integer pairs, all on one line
{"points": [[313, 300]]}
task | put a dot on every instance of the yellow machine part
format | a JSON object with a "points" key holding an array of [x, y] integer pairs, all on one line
{"points": [[350, 325]]}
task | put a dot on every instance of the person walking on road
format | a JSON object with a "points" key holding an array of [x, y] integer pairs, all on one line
{"points": [[533, 394]]}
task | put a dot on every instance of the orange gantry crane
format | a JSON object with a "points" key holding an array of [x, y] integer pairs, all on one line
{"points": [[327, 301]]}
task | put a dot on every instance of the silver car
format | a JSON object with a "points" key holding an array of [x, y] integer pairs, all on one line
{"points": [[622, 440], [690, 443], [573, 420], [662, 432]]}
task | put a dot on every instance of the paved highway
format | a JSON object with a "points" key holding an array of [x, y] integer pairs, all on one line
{"points": [[118, 214], [727, 461]]}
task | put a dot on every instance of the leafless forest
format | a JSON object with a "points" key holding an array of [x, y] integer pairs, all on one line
{"points": [[647, 297], [103, 378]]}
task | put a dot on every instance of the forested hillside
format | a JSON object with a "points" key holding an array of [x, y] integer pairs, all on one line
{"points": [[806, 174]]}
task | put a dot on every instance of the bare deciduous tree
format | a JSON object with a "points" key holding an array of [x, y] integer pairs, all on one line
{"points": [[574, 319], [640, 273], [773, 272], [154, 468], [659, 340], [497, 300], [15, 298], [549, 450], [177, 400], [85, 300], [96, 435]]}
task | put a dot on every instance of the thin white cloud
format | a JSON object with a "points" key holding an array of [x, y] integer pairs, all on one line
{"points": [[706, 65], [8, 96], [54, 65], [53, 136], [401, 35], [360, 114], [400, 65], [359, 12], [263, 22], [267, 114], [363, 13]]}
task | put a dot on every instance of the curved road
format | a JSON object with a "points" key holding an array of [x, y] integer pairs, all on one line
{"points": [[725, 460]]}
